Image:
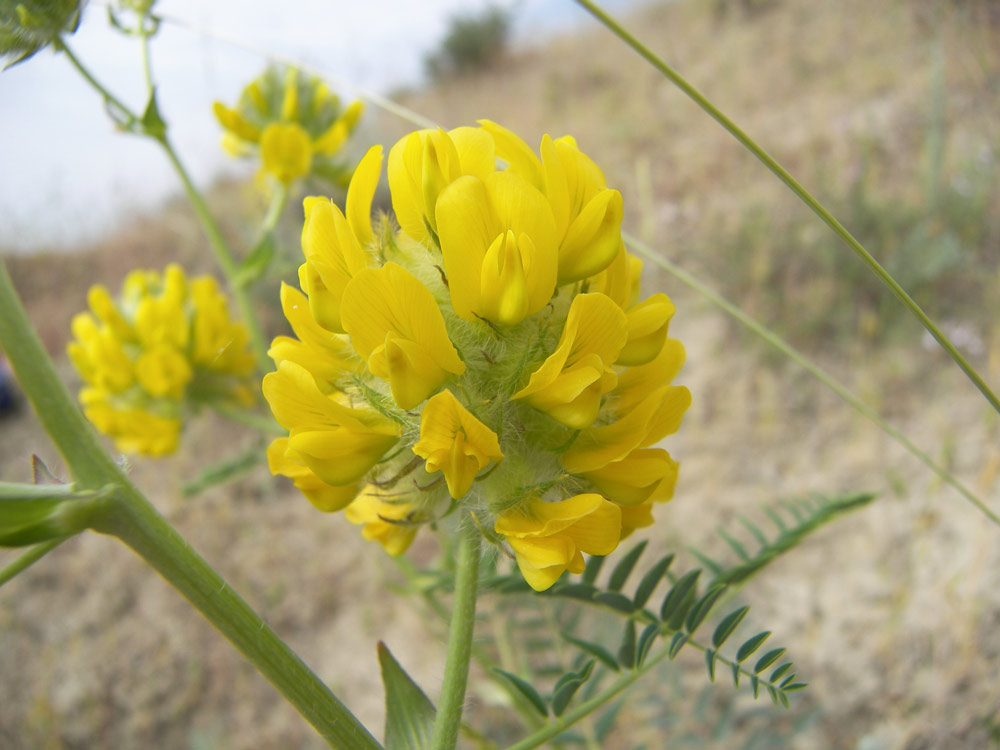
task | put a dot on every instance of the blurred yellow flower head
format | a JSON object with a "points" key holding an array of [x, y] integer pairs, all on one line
{"points": [[294, 122], [165, 345], [492, 353]]}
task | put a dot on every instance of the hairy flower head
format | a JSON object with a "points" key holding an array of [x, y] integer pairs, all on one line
{"points": [[491, 354], [165, 345]]}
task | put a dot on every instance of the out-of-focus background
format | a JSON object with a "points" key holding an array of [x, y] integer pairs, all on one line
{"points": [[888, 111]]}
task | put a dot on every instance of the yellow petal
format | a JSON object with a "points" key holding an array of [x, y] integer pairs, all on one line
{"points": [[290, 100], [656, 416], [518, 154], [636, 517], [340, 456], [418, 357], [635, 478], [286, 151], [235, 123], [638, 382], [323, 496], [163, 371], [467, 227], [647, 330], [592, 239], [569, 384], [360, 194], [454, 442], [503, 286]]}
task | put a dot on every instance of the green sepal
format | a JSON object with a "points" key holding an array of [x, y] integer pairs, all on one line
{"points": [[409, 713], [151, 122]]}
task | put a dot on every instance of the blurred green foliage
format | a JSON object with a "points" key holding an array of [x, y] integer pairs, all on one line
{"points": [[475, 41], [26, 26]]}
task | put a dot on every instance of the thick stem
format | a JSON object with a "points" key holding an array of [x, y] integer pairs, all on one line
{"points": [[131, 517], [463, 621], [144, 530], [804, 195]]}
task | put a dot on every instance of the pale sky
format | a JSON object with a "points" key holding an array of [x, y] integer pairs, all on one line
{"points": [[65, 174]]}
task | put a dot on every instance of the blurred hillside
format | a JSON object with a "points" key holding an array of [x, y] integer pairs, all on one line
{"points": [[888, 112]]}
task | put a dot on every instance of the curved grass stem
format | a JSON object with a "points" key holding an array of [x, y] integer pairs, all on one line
{"points": [[28, 558], [812, 368], [804, 195]]}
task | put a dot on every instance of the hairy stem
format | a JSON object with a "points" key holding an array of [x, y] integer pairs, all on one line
{"points": [[463, 621], [804, 195]]}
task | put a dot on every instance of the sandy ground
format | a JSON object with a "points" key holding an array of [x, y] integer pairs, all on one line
{"points": [[890, 614]]}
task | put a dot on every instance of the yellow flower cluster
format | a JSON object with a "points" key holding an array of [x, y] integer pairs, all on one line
{"points": [[493, 353], [296, 123], [165, 344]]}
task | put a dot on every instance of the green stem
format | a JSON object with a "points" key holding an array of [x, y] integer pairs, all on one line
{"points": [[814, 369], [804, 195], [60, 46], [28, 558], [215, 239], [223, 257], [131, 518], [463, 621], [278, 202], [571, 717]]}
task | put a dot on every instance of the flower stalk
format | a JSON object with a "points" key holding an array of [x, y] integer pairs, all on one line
{"points": [[463, 620]]}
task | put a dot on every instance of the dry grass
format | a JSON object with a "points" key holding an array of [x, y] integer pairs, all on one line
{"points": [[892, 615]]}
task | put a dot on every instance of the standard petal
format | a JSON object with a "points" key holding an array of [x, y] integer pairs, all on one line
{"points": [[467, 226], [360, 194]]}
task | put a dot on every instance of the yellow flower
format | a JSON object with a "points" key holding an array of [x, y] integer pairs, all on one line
{"points": [[285, 151], [396, 326], [424, 163], [334, 245], [647, 320], [548, 538], [454, 442], [327, 356], [498, 240], [588, 214], [324, 497], [338, 444], [643, 474], [294, 122], [384, 522], [165, 342], [569, 384], [219, 343], [488, 231], [636, 517]]}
